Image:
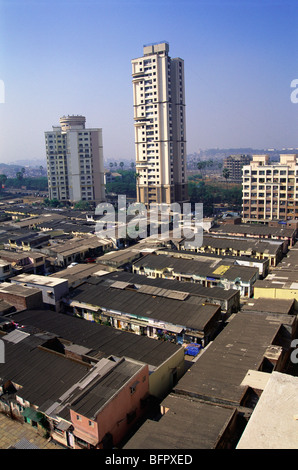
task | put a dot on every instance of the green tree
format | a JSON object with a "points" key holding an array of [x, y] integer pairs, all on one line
{"points": [[51, 202], [3, 179], [125, 185], [20, 176], [121, 165], [201, 166], [82, 206], [226, 174]]}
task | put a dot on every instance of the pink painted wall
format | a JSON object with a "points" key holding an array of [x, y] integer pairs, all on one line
{"points": [[113, 417]]}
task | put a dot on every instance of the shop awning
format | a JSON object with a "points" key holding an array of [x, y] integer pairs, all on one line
{"points": [[74, 303], [85, 437], [63, 425], [173, 328]]}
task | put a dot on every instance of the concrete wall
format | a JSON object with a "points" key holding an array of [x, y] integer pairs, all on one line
{"points": [[161, 380]]}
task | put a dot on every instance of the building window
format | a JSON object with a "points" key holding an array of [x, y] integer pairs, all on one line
{"points": [[133, 387]]}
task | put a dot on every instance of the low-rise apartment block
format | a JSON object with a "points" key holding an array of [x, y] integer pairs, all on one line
{"points": [[53, 289], [261, 264], [27, 242], [208, 273], [5, 270], [89, 342], [84, 406], [158, 313], [239, 247], [227, 299], [272, 231], [32, 262], [77, 249], [281, 283]]}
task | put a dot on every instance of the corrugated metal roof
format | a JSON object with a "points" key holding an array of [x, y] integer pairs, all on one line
{"points": [[193, 268], [42, 375], [154, 305], [102, 340], [239, 347], [194, 289]]}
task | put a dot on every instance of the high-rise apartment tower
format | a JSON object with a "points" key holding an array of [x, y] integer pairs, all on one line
{"points": [[159, 120], [270, 190], [234, 164], [75, 161]]}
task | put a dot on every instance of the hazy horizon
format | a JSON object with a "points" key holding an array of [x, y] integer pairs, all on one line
{"points": [[74, 57]]}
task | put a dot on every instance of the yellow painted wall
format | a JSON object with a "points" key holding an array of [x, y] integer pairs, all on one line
{"points": [[160, 380], [276, 293]]}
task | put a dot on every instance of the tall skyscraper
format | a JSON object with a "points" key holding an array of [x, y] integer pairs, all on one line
{"points": [[159, 120], [270, 190], [75, 161]]}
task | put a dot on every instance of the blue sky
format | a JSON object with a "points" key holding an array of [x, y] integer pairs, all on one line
{"points": [[74, 57]]}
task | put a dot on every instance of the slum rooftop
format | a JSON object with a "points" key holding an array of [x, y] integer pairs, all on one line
{"points": [[17, 289], [249, 245], [102, 341], [170, 284], [289, 263], [38, 279], [281, 306], [194, 267], [175, 307], [218, 375], [255, 229], [227, 258], [187, 424], [40, 367]]}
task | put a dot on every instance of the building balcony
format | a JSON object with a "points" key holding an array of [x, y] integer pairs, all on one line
{"points": [[139, 120], [140, 73]]}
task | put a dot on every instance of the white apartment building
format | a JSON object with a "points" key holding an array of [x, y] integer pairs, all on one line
{"points": [[159, 120], [75, 161], [270, 190]]}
